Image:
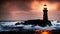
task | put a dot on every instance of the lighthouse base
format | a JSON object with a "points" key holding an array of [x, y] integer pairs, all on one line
{"points": [[37, 22]]}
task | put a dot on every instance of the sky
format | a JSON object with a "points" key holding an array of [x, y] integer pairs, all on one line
{"points": [[28, 9]]}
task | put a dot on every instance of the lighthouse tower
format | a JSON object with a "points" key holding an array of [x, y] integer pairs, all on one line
{"points": [[45, 16], [45, 11], [39, 22]]}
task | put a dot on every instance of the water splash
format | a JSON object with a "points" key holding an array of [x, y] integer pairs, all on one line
{"points": [[54, 26]]}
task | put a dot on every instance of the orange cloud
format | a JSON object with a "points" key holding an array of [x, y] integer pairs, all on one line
{"points": [[38, 6]]}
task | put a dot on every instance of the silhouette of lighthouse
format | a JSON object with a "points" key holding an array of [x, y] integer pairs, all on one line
{"points": [[39, 22], [45, 15]]}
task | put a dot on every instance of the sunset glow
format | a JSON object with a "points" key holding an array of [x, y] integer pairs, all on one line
{"points": [[43, 31], [38, 6]]}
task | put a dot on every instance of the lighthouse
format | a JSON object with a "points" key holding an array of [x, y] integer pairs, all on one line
{"points": [[45, 13], [39, 22], [45, 16]]}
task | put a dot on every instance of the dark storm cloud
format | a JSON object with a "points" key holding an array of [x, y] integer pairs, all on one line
{"points": [[21, 4], [8, 6]]}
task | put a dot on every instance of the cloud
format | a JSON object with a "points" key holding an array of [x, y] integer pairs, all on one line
{"points": [[28, 9]]}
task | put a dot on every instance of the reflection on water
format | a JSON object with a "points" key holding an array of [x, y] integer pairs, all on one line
{"points": [[43, 31]]}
